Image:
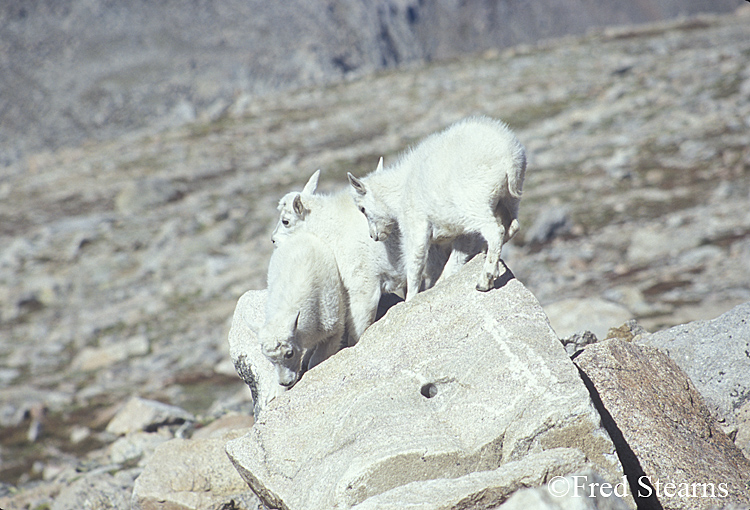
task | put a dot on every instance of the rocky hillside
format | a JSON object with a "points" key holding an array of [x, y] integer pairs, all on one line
{"points": [[121, 261], [72, 70]]}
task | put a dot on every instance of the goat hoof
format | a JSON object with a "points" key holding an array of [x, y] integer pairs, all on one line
{"points": [[483, 286]]}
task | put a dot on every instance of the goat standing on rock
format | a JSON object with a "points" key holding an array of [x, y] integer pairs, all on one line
{"points": [[367, 268], [462, 181], [305, 308]]}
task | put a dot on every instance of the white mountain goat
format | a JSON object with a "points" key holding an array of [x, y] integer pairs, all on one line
{"points": [[305, 308], [367, 268], [465, 180]]}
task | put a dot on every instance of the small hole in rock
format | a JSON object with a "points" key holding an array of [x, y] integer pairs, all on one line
{"points": [[429, 390]]}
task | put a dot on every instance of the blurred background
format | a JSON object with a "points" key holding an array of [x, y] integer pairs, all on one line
{"points": [[144, 146], [74, 70]]}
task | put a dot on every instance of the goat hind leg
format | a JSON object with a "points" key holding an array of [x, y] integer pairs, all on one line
{"points": [[416, 251], [493, 233]]}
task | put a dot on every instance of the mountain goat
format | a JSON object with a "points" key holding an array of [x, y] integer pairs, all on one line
{"points": [[464, 180], [305, 308], [367, 268]]}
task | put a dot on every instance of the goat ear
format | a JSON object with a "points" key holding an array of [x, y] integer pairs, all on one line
{"points": [[298, 206], [357, 184], [380, 164], [312, 183]]}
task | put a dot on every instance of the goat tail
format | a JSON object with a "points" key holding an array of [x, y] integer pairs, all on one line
{"points": [[516, 175]]}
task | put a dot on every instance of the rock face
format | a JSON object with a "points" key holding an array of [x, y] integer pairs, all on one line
{"points": [[663, 431], [716, 356], [452, 383]]}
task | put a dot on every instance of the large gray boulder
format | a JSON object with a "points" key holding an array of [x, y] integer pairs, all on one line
{"points": [[674, 454], [451, 383], [716, 355]]}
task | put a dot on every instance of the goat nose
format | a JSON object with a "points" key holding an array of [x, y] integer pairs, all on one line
{"points": [[290, 382]]}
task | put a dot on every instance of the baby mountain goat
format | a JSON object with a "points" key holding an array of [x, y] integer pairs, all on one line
{"points": [[367, 268], [465, 180], [305, 308]]}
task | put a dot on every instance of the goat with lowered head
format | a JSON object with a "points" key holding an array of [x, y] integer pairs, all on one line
{"points": [[306, 308], [463, 181]]}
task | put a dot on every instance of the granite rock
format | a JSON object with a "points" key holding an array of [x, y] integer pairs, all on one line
{"points": [[454, 382], [663, 430], [716, 355]]}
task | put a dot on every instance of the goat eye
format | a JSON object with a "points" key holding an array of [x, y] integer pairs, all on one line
{"points": [[285, 223], [362, 210], [289, 354]]}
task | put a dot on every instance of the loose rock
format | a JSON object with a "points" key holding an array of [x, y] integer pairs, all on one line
{"points": [[147, 415], [577, 341], [97, 492], [550, 223]]}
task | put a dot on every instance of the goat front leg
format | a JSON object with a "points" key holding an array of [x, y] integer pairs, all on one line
{"points": [[363, 306], [416, 250]]}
